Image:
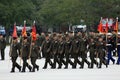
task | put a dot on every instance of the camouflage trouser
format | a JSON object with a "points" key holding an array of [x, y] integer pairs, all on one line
{"points": [[2, 54], [47, 60], [61, 60], [25, 64], [76, 60], [14, 63], [68, 60], [84, 60]]}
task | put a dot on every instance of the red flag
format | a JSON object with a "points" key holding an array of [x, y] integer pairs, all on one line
{"points": [[116, 26], [34, 37], [14, 32], [24, 34], [106, 26], [100, 27]]}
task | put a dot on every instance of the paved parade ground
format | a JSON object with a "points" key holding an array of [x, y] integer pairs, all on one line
{"points": [[110, 73]]}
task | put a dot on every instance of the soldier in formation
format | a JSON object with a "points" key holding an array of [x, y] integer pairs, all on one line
{"points": [[14, 53], [27, 50], [101, 52], [34, 56], [46, 48], [118, 49], [67, 49], [109, 48], [2, 46], [92, 50]]}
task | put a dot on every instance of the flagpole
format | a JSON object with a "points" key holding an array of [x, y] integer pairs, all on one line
{"points": [[31, 45], [106, 31], [13, 35], [116, 34], [101, 25], [22, 45], [11, 42]]}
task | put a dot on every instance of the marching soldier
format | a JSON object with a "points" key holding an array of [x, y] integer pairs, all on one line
{"points": [[79, 35], [83, 52], [38, 43], [118, 49], [42, 39], [109, 48], [61, 50], [34, 56], [25, 54], [2, 46], [114, 44], [71, 37], [14, 53], [92, 48], [76, 51], [101, 52], [46, 48], [68, 49], [55, 50]]}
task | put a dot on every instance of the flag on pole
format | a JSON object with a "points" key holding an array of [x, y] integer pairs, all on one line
{"points": [[24, 34], [100, 27], [14, 35], [106, 26], [34, 37], [116, 25]]}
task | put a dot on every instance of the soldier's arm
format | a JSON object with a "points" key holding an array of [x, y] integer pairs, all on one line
{"points": [[88, 46], [42, 45], [4, 43], [36, 50], [50, 47], [71, 47], [63, 47], [19, 48]]}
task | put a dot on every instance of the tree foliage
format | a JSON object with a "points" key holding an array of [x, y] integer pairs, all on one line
{"points": [[53, 13]]}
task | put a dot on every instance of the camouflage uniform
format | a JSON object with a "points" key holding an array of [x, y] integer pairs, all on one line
{"points": [[14, 53], [46, 48], [83, 52], [2, 46], [34, 56]]}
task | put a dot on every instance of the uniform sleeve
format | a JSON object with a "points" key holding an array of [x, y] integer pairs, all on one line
{"points": [[36, 51], [18, 48], [4, 44], [42, 45]]}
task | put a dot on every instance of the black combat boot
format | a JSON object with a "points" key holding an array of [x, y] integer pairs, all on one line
{"points": [[99, 66], [66, 67], [59, 67], [33, 70], [12, 71], [106, 66], [23, 69], [81, 67], [19, 67], [44, 67], [37, 68], [30, 68], [88, 65]]}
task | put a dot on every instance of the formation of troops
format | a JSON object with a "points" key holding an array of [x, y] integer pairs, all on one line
{"points": [[61, 50]]}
